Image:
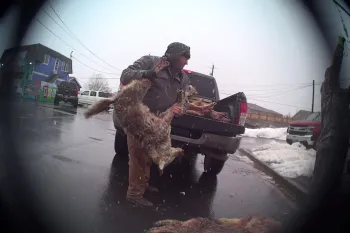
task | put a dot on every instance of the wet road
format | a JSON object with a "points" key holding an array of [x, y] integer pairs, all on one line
{"points": [[79, 182]]}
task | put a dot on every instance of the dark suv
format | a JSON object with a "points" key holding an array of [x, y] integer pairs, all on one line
{"points": [[67, 92], [197, 134]]}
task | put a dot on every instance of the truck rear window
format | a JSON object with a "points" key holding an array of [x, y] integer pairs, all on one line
{"points": [[205, 87], [67, 85]]}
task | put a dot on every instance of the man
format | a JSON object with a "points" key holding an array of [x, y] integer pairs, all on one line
{"points": [[167, 78]]}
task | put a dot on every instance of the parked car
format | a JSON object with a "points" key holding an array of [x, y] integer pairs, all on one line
{"points": [[68, 93], [196, 134], [305, 131], [90, 97]]}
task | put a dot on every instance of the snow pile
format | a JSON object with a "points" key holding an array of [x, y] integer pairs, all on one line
{"points": [[287, 160], [274, 133]]}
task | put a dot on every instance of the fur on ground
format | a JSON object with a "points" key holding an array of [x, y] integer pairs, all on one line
{"points": [[251, 224]]}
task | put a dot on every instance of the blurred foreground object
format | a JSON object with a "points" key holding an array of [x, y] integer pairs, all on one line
{"points": [[222, 225], [326, 199]]}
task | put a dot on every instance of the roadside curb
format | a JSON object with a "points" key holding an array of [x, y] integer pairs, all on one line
{"points": [[287, 183]]}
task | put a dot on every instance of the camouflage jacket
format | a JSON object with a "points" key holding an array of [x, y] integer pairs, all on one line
{"points": [[163, 92]]}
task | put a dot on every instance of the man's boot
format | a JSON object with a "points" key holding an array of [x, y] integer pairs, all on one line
{"points": [[140, 202]]}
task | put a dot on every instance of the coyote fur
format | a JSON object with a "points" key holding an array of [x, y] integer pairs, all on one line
{"points": [[150, 130]]}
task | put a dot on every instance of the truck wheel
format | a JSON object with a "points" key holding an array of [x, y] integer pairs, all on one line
{"points": [[120, 144], [213, 166]]}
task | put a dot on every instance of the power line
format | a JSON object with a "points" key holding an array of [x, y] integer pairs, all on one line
{"points": [[78, 38], [274, 93], [72, 48], [95, 69], [264, 91], [278, 94], [70, 36], [274, 85], [278, 103], [265, 101]]}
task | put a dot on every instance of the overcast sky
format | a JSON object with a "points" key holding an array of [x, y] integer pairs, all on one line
{"points": [[271, 50]]}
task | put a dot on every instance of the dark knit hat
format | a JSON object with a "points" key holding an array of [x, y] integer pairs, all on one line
{"points": [[178, 49]]}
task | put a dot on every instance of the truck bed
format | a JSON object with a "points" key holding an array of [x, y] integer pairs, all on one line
{"points": [[201, 124]]}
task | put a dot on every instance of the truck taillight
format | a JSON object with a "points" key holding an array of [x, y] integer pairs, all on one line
{"points": [[243, 113], [77, 92], [187, 71]]}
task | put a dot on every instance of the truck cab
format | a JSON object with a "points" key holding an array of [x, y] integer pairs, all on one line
{"points": [[305, 131]]}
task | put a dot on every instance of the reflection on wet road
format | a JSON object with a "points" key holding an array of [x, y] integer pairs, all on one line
{"points": [[79, 182]]}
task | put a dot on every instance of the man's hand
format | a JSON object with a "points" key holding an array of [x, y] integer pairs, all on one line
{"points": [[178, 110], [152, 73]]}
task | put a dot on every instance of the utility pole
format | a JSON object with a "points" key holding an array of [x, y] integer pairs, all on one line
{"points": [[212, 70], [71, 54], [313, 95]]}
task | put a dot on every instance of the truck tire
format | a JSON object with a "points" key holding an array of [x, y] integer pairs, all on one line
{"points": [[120, 144], [213, 166], [55, 102], [75, 104]]}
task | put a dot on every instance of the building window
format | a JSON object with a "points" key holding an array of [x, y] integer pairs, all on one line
{"points": [[46, 59], [56, 65], [66, 68], [63, 66]]}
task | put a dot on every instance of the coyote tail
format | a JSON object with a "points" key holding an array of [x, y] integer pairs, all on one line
{"points": [[99, 107]]}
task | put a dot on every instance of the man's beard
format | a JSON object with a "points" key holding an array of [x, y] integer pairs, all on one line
{"points": [[175, 68]]}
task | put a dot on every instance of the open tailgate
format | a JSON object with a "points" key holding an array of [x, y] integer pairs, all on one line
{"points": [[230, 105]]}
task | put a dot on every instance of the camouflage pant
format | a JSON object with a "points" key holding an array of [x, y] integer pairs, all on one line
{"points": [[139, 169]]}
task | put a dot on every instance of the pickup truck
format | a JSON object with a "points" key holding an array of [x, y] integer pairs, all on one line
{"points": [[305, 131], [67, 92], [197, 134]]}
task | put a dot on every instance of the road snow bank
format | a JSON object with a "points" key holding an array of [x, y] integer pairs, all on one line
{"points": [[288, 160], [274, 133]]}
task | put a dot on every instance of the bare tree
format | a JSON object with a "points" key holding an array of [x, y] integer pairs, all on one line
{"points": [[98, 82]]}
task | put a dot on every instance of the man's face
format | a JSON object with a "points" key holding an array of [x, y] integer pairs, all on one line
{"points": [[180, 62]]}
